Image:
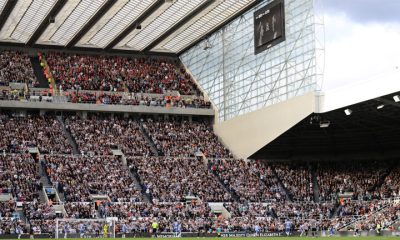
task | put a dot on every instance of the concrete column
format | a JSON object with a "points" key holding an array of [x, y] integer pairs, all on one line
{"points": [[84, 114]]}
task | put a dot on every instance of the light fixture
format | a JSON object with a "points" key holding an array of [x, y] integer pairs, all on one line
{"points": [[324, 124], [207, 45], [348, 111], [396, 98], [380, 106]]}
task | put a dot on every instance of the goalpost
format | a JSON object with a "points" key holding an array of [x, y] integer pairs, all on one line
{"points": [[66, 227]]}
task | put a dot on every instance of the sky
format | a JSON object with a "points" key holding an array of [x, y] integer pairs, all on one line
{"points": [[362, 42]]}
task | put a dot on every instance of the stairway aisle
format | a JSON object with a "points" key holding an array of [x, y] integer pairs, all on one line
{"points": [[38, 71], [149, 141], [233, 193], [287, 194], [314, 182], [67, 133], [136, 179]]}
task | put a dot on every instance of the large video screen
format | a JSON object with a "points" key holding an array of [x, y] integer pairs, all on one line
{"points": [[269, 26]]}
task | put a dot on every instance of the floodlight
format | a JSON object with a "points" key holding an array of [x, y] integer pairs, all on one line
{"points": [[396, 98], [324, 124], [348, 111], [380, 106]]}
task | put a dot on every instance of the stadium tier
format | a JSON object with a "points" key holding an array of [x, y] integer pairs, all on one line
{"points": [[16, 67], [183, 184], [90, 72]]}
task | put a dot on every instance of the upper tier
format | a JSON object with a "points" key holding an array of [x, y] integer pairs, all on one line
{"points": [[15, 66], [114, 73]]}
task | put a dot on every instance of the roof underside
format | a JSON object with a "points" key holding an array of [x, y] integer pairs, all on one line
{"points": [[160, 26], [367, 132]]}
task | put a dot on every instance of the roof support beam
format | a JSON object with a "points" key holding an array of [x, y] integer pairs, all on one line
{"points": [[6, 12], [46, 21], [216, 29], [179, 24], [93, 20], [135, 23]]}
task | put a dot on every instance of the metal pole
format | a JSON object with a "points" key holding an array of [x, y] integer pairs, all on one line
{"points": [[113, 228], [56, 228]]}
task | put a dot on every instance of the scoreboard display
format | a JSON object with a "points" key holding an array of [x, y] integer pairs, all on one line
{"points": [[269, 26]]}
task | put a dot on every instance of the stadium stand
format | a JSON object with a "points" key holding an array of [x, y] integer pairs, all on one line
{"points": [[16, 67], [118, 98], [391, 185], [81, 176], [113, 73], [250, 180], [174, 179], [335, 178], [180, 185], [80, 210], [296, 178], [99, 136], [185, 139], [20, 133], [19, 176], [193, 118]]}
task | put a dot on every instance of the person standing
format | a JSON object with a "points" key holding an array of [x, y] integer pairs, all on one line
{"points": [[378, 229], [313, 225], [31, 232], [154, 226], [124, 230], [66, 230], [257, 230], [19, 231], [82, 230], [219, 231], [288, 226], [331, 230], [105, 230]]}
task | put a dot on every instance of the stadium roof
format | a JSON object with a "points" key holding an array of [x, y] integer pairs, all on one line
{"points": [[369, 129], [161, 26]]}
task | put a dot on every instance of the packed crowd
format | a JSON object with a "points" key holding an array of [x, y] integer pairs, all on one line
{"points": [[38, 211], [44, 132], [185, 139], [391, 184], [368, 215], [137, 99], [97, 136], [386, 218], [305, 210], [81, 176], [170, 179], [296, 178], [15, 66], [18, 176], [251, 209], [358, 207], [251, 180], [80, 210], [114, 73], [289, 210], [356, 177], [7, 209]]}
